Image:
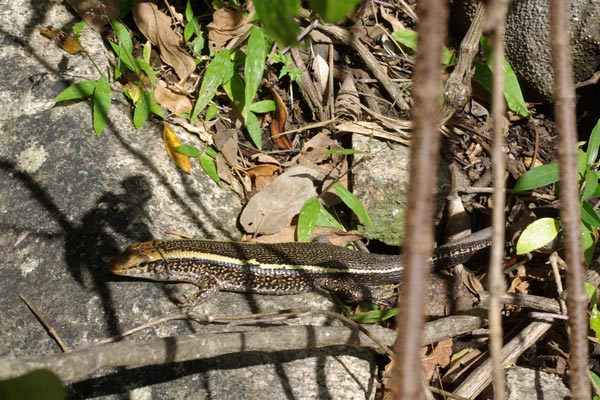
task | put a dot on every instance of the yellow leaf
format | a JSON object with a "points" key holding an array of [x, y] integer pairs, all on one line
{"points": [[171, 142]]}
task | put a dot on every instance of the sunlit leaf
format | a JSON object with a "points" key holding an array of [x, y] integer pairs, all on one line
{"points": [[343, 152], [591, 184], [374, 316], [253, 127], [215, 72], [409, 38], [307, 219], [328, 220], [262, 107], [209, 166], [589, 215], [141, 110], [538, 234], [122, 35], [537, 177], [101, 101], [171, 144], [594, 144], [79, 27], [188, 150], [77, 91], [211, 112], [353, 203], [256, 53]]}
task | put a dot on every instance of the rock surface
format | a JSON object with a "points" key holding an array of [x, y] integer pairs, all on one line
{"points": [[69, 201]]}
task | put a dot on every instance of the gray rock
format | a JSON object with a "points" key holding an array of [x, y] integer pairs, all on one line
{"points": [[524, 383], [528, 40], [72, 200]]}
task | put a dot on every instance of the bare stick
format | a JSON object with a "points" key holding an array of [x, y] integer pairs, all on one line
{"points": [[44, 323]]}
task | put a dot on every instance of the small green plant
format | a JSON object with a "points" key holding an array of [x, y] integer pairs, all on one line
{"points": [[192, 30], [206, 159], [546, 229], [294, 74]]}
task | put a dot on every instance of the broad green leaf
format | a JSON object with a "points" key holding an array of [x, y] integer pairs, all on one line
{"points": [[594, 144], [253, 127], [263, 106], [208, 165], [353, 203], [188, 150], [37, 384], [538, 234], [582, 165], [277, 19], [77, 91], [125, 57], [256, 53], [343, 152], [155, 108], [211, 112], [211, 152], [145, 66], [512, 90], [333, 11], [595, 378], [191, 27], [215, 72], [590, 291], [122, 34], [537, 177], [374, 316], [101, 101], [409, 38], [147, 51], [78, 28], [588, 243], [326, 219], [198, 44], [589, 215], [141, 111], [307, 219], [591, 184]]}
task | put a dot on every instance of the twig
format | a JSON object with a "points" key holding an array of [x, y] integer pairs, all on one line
{"points": [[45, 324], [425, 147], [567, 153]]}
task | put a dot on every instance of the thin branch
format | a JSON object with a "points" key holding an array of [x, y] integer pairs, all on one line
{"points": [[564, 93], [433, 16]]}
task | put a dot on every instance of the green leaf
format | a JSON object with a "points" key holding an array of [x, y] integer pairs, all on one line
{"points": [[588, 243], [582, 165], [122, 34], [538, 234], [590, 291], [343, 152], [595, 378], [591, 184], [142, 110], [537, 177], [101, 101], [253, 127], [409, 38], [256, 53], [155, 108], [78, 28], [353, 203], [215, 72], [326, 219], [77, 91], [211, 112], [594, 144], [210, 167], [125, 57], [277, 19], [589, 215], [38, 384], [145, 66], [333, 11], [374, 316], [147, 52], [263, 106], [188, 150], [307, 219]]}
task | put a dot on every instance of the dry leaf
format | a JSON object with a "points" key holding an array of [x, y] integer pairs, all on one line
{"points": [[96, 13], [261, 170], [273, 208], [156, 27], [262, 158], [227, 24], [347, 103], [66, 42], [439, 357], [321, 73], [171, 142], [177, 103], [277, 127]]}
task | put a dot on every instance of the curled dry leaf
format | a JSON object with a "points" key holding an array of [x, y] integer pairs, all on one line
{"points": [[262, 158], [277, 127], [65, 41], [171, 142], [156, 27], [175, 102], [273, 208], [227, 24], [347, 103]]}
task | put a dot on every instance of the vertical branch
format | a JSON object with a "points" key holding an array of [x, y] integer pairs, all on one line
{"points": [[433, 17], [564, 95], [496, 24]]}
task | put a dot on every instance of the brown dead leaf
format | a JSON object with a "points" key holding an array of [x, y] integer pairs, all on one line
{"points": [[438, 358], [274, 207], [175, 102], [171, 142], [263, 158], [227, 24], [347, 103], [277, 127], [65, 41], [156, 27], [261, 170], [96, 13]]}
